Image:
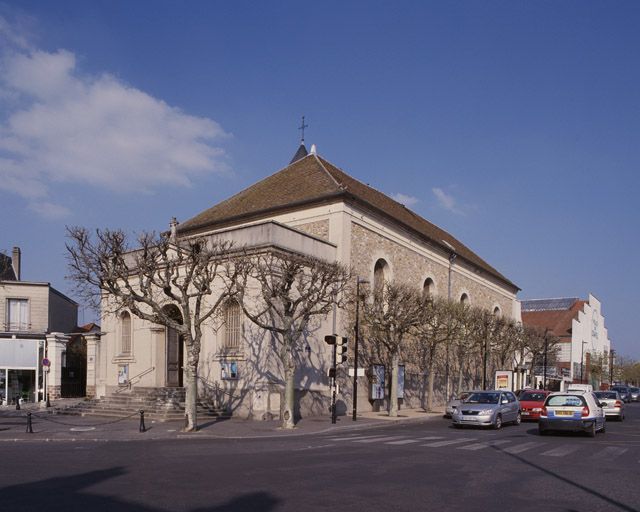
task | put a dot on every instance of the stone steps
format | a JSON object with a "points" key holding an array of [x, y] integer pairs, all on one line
{"points": [[163, 404]]}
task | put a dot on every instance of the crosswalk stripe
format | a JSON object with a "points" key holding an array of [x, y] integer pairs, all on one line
{"points": [[429, 438], [404, 441], [609, 452], [438, 444], [519, 448], [480, 446], [376, 439], [561, 451], [352, 438]]}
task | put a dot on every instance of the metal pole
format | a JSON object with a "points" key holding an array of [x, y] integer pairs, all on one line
{"points": [[582, 363], [544, 369], [484, 364], [333, 394], [452, 258], [355, 352], [611, 353]]}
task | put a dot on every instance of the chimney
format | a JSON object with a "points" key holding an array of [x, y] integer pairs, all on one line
{"points": [[15, 261]]}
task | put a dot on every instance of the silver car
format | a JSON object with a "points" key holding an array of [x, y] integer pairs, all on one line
{"points": [[611, 403], [455, 402], [488, 409], [576, 411]]}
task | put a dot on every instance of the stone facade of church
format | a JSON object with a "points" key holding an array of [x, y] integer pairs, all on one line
{"points": [[312, 208]]}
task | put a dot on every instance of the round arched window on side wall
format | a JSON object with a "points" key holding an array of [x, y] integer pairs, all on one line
{"points": [[380, 275], [464, 299], [497, 312], [428, 288]]}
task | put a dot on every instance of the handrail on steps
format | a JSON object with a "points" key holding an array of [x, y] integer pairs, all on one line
{"points": [[127, 385]]}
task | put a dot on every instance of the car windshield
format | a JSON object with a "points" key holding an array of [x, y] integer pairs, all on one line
{"points": [[622, 390], [565, 401], [531, 396], [483, 398], [606, 394]]}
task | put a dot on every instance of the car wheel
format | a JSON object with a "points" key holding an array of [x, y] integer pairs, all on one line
{"points": [[498, 423], [621, 418], [541, 431], [604, 428], [518, 419], [592, 430]]}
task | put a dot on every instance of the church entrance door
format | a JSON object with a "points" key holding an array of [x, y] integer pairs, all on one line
{"points": [[174, 359]]}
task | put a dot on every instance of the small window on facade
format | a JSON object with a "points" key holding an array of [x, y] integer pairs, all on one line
{"points": [[497, 312], [125, 333], [380, 275], [232, 325], [464, 299], [18, 314], [428, 287]]}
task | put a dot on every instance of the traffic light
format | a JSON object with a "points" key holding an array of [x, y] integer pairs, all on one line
{"points": [[331, 339], [341, 349]]}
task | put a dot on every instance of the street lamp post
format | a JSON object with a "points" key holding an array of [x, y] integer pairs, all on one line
{"points": [[355, 348], [452, 259], [611, 356]]}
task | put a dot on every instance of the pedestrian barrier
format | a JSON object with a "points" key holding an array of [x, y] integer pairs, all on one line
{"points": [[30, 416]]}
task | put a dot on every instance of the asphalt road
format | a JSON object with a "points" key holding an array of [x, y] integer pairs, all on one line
{"points": [[423, 466]]}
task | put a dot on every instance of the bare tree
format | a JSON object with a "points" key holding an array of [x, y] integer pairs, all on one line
{"points": [[440, 323], [193, 275], [283, 293], [390, 318]]}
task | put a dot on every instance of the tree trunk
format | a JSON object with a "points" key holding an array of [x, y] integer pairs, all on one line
{"points": [[460, 377], [393, 399], [431, 378], [288, 400], [191, 395]]}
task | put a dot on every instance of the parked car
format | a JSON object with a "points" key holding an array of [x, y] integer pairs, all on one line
{"points": [[635, 393], [625, 392], [454, 403], [531, 402], [611, 403], [573, 412], [488, 409]]}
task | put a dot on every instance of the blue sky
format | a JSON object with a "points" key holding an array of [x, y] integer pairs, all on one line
{"points": [[513, 125]]}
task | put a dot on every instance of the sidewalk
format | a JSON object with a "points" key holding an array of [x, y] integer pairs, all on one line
{"points": [[56, 427]]}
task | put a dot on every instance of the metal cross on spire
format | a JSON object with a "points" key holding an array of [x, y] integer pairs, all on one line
{"points": [[301, 128]]}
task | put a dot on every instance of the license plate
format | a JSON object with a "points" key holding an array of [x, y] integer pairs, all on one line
{"points": [[564, 413], [472, 418]]}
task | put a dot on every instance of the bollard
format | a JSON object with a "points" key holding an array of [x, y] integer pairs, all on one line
{"points": [[48, 402], [17, 404], [29, 425], [142, 427]]}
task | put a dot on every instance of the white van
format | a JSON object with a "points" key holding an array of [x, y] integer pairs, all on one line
{"points": [[585, 388]]}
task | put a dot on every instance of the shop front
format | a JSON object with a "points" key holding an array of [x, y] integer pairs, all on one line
{"points": [[21, 377]]}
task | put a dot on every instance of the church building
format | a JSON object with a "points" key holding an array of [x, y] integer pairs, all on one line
{"points": [[310, 207]]}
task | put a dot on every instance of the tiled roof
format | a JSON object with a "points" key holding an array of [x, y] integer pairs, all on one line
{"points": [[558, 321], [313, 180], [559, 304]]}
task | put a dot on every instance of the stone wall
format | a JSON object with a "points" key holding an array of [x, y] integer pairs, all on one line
{"points": [[412, 267], [319, 228]]}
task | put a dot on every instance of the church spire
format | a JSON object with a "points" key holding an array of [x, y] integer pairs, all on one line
{"points": [[302, 150]]}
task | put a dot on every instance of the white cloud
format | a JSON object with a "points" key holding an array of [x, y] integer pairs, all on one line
{"points": [[405, 199], [446, 201], [49, 210], [59, 125]]}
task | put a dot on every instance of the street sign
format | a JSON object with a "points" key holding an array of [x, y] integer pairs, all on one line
{"points": [[46, 362], [360, 372]]}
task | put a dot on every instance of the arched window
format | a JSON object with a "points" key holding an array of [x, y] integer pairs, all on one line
{"points": [[464, 299], [428, 288], [232, 325], [125, 333], [497, 312], [380, 275]]}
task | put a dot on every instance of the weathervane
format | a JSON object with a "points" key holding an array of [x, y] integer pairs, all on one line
{"points": [[302, 127]]}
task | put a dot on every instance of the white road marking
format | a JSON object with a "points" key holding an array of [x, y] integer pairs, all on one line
{"points": [[429, 438], [352, 438], [561, 451], [438, 444], [405, 441], [519, 448], [609, 452], [376, 439], [480, 446]]}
